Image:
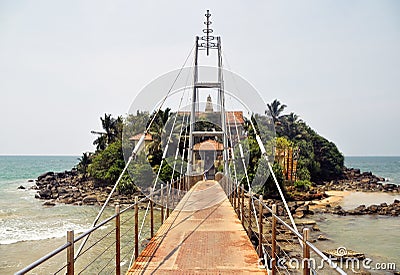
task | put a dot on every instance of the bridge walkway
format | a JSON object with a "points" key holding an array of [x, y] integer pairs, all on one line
{"points": [[202, 235]]}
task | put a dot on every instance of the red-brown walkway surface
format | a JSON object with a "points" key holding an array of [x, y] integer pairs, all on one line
{"points": [[202, 235]]}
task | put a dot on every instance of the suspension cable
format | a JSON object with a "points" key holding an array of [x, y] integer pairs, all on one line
{"points": [[264, 154], [134, 152], [165, 151], [245, 170]]}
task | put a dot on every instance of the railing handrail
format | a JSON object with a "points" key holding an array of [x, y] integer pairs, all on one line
{"points": [[299, 235], [87, 233], [43, 259]]}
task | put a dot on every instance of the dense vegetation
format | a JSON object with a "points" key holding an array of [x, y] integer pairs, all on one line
{"points": [[318, 159]]}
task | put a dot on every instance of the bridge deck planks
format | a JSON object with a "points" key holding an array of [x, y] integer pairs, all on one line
{"points": [[202, 235]]}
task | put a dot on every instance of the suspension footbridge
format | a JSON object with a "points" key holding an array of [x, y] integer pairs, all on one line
{"points": [[207, 218]]}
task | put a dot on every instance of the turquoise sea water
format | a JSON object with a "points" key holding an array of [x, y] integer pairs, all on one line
{"points": [[24, 221], [22, 217], [387, 167], [376, 236]]}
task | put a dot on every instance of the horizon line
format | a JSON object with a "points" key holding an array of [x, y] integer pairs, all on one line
{"points": [[77, 155]]}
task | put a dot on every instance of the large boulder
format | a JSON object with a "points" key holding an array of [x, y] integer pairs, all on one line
{"points": [[45, 194], [91, 199], [45, 175]]}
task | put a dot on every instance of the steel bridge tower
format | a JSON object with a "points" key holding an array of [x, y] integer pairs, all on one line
{"points": [[206, 43]]}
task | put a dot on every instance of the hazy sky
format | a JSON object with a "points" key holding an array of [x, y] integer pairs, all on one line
{"points": [[63, 64]]}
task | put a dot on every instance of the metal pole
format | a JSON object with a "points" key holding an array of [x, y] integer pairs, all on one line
{"points": [[306, 252], [171, 195], [238, 200], [162, 203], [242, 206], [250, 213], [70, 252], [234, 198], [273, 248], [260, 226], [151, 214], [136, 227], [193, 111], [117, 240], [179, 184], [166, 205], [222, 106]]}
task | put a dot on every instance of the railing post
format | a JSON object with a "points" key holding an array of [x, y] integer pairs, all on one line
{"points": [[166, 205], [234, 198], [250, 213], [273, 245], [238, 201], [306, 252], [151, 214], [242, 206], [260, 226], [172, 198], [232, 190], [70, 252], [162, 203], [136, 227], [117, 240], [179, 185]]}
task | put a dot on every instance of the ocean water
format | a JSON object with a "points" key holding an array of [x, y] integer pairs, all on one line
{"points": [[22, 217], [24, 221], [376, 236], [28, 230], [386, 167]]}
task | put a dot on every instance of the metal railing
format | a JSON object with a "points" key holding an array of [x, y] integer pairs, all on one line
{"points": [[277, 243], [281, 248], [117, 238]]}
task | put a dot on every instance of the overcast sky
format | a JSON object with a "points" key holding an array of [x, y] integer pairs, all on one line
{"points": [[63, 64]]}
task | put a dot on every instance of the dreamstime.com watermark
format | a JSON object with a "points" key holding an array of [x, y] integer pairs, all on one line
{"points": [[344, 261]]}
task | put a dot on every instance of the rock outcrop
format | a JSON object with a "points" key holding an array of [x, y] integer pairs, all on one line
{"points": [[71, 188]]}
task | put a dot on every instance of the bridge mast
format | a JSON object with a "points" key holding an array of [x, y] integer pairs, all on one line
{"points": [[207, 44]]}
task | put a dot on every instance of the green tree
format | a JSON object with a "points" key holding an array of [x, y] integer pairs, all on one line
{"points": [[275, 110], [112, 131], [319, 160], [83, 164], [108, 164]]}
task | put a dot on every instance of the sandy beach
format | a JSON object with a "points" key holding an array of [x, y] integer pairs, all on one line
{"points": [[335, 198], [352, 199]]}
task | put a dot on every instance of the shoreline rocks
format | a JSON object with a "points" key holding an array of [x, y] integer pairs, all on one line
{"points": [[71, 188], [382, 209], [354, 180]]}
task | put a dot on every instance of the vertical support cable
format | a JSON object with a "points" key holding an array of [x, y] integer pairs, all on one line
{"points": [[249, 212], [234, 198], [136, 227], [117, 240], [260, 226], [162, 203], [167, 200], [151, 214], [273, 248], [242, 205]]}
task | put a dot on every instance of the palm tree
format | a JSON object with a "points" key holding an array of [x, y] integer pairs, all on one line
{"points": [[100, 142], [112, 131], [156, 130], [275, 109], [293, 127], [84, 162]]}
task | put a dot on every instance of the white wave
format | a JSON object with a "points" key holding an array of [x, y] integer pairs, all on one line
{"points": [[39, 231]]}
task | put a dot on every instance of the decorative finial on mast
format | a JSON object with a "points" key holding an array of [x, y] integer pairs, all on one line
{"points": [[207, 31]]}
